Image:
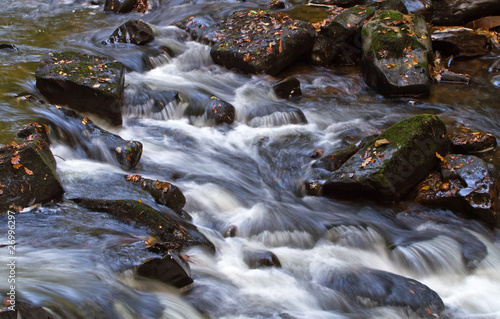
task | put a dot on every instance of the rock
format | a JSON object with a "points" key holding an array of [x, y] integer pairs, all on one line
{"points": [[459, 12], [397, 5], [261, 258], [95, 142], [133, 31], [467, 185], [288, 88], [334, 160], [171, 269], [6, 46], [213, 109], [157, 57], [201, 28], [422, 7], [396, 54], [28, 171], [163, 192], [335, 31], [458, 42], [389, 167], [466, 141], [83, 82], [261, 42], [374, 287], [172, 232], [340, 3], [484, 23], [277, 4], [119, 6]]}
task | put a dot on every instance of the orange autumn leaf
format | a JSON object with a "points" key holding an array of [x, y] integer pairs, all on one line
{"points": [[28, 171]]}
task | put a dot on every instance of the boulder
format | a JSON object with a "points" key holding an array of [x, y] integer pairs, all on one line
{"points": [[390, 166], [397, 5], [133, 31], [288, 88], [213, 109], [201, 28], [422, 7], [459, 42], [171, 269], [171, 231], [260, 258], [465, 184], [28, 171], [84, 82], [380, 288], [6, 46], [396, 54], [261, 41], [466, 141], [93, 141], [335, 31], [120, 6], [141, 101], [163, 192], [459, 12], [334, 160]]}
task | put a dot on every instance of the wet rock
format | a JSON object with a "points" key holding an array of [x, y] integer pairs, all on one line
{"points": [[466, 141], [335, 31], [172, 232], [277, 4], [157, 57], [97, 143], [230, 231], [340, 3], [163, 192], [83, 82], [396, 53], [485, 23], [422, 7], [213, 109], [459, 42], [288, 88], [466, 185], [120, 6], [133, 31], [171, 269], [28, 171], [6, 46], [261, 42], [260, 258], [372, 287], [459, 12], [397, 5], [389, 167], [201, 28], [334, 160]]}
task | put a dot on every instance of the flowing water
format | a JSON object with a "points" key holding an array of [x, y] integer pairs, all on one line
{"points": [[77, 263]]}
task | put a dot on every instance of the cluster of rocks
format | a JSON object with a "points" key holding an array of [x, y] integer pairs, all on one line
{"points": [[415, 158]]}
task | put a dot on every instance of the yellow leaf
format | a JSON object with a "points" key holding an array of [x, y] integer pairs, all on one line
{"points": [[441, 158], [381, 142]]}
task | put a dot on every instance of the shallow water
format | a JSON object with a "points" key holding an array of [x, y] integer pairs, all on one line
{"points": [[77, 263]]}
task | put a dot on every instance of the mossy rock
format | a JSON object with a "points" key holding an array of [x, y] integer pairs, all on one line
{"points": [[396, 52], [390, 166], [85, 83]]}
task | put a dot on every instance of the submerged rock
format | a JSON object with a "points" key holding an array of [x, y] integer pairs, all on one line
{"points": [[163, 192], [28, 171], [372, 287], [396, 53], [133, 31], [336, 31], [215, 110], [261, 42], [120, 6], [288, 88], [172, 232], [391, 165], [171, 269], [84, 82], [96, 143], [261, 258]]}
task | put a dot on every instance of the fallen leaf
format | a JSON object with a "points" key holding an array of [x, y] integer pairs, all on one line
{"points": [[368, 160], [441, 158], [28, 171], [381, 142]]}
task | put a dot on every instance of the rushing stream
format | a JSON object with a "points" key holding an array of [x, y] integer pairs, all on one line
{"points": [[77, 262]]}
